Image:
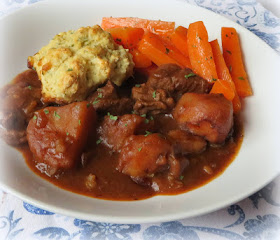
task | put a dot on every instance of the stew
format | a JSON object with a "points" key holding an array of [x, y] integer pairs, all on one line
{"points": [[90, 120]]}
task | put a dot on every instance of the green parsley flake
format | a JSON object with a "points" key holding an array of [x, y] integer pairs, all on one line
{"points": [[151, 117], [35, 117], [241, 78], [214, 79], [147, 133], [147, 121], [230, 68], [125, 124], [69, 69], [88, 105], [34, 68], [181, 177], [190, 75], [229, 52], [139, 149], [46, 111], [98, 141], [29, 87], [137, 85], [79, 122], [67, 133], [167, 50], [143, 115], [99, 95], [95, 101], [56, 115], [118, 40], [154, 94], [112, 117]]}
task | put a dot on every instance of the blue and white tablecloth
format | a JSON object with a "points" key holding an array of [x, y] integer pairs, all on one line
{"points": [[256, 217]]}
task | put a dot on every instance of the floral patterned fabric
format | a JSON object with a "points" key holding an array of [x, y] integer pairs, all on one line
{"points": [[256, 217]]}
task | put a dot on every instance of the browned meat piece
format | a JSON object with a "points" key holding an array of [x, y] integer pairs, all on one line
{"points": [[106, 99], [149, 100], [115, 129], [19, 100], [149, 160], [185, 142], [143, 156], [57, 135], [177, 81], [207, 115]]}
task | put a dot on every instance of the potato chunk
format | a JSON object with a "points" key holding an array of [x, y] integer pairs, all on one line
{"points": [[143, 156], [207, 115], [57, 135]]}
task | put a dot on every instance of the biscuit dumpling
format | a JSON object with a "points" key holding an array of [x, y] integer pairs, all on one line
{"points": [[75, 63]]}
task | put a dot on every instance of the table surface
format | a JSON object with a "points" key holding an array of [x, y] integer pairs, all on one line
{"points": [[256, 217]]}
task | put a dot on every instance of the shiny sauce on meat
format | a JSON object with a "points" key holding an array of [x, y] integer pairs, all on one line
{"points": [[114, 185], [101, 162]]}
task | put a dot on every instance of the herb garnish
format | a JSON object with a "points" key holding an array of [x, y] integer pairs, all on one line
{"points": [[228, 51], [29, 87], [181, 177], [56, 115], [137, 85], [167, 50], [98, 141], [139, 149], [190, 75], [154, 94], [35, 117], [241, 78], [147, 133], [112, 116], [46, 111], [69, 69]]}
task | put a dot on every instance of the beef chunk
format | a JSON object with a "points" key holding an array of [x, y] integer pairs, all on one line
{"points": [[207, 115], [142, 156], [150, 100], [185, 142], [177, 81], [19, 100], [106, 99], [57, 135], [114, 130]]}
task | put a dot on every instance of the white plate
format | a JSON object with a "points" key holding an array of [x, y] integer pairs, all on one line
{"points": [[27, 30]]}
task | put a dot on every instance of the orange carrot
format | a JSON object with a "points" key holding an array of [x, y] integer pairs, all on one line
{"points": [[156, 49], [224, 87], [224, 75], [140, 60], [156, 26], [128, 37], [179, 39], [200, 51], [233, 58]]}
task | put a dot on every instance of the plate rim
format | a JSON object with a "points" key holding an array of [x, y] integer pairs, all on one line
{"points": [[125, 220]]}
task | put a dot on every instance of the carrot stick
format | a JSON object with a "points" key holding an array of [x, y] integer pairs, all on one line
{"points": [[156, 49], [140, 60], [179, 39], [128, 37], [200, 51], [233, 58], [156, 26], [224, 75], [224, 87]]}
